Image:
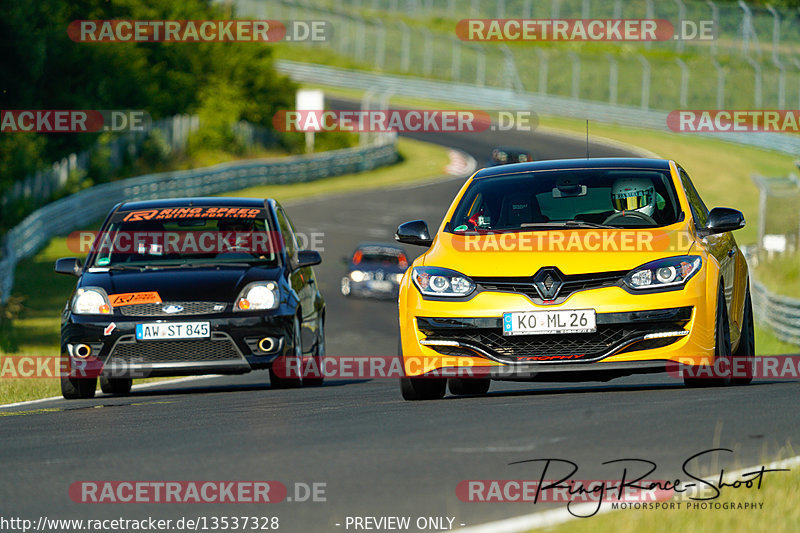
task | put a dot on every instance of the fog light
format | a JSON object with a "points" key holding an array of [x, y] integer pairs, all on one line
{"points": [[267, 344], [82, 351]]}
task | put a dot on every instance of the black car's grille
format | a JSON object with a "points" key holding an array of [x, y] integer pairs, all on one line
{"points": [[220, 347], [185, 308], [608, 339], [572, 284]]}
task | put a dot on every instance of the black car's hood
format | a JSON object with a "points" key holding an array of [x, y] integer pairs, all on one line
{"points": [[214, 284]]}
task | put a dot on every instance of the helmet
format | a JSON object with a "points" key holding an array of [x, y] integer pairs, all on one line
{"points": [[633, 194]]}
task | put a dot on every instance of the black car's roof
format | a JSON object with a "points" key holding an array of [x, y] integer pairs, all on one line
{"points": [[392, 246], [510, 149], [222, 201], [567, 164]]}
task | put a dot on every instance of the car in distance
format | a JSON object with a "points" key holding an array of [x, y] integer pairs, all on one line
{"points": [[508, 155], [190, 286], [374, 269], [529, 278]]}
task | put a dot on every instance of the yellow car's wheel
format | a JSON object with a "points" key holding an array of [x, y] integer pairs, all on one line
{"points": [[746, 351], [464, 387], [423, 388], [722, 347]]}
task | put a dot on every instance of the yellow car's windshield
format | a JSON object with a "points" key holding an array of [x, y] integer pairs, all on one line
{"points": [[614, 197]]}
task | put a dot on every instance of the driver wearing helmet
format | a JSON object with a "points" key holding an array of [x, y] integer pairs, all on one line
{"points": [[634, 194]]}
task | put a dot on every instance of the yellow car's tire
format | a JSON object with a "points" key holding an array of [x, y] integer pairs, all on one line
{"points": [[415, 389], [464, 387], [746, 351], [722, 347]]}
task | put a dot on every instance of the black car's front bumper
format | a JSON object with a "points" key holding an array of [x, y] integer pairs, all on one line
{"points": [[234, 345]]}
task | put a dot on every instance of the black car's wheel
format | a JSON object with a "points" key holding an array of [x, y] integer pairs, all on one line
{"points": [[743, 357], [315, 378], [288, 375], [423, 388], [464, 387], [76, 388], [722, 349], [118, 386]]}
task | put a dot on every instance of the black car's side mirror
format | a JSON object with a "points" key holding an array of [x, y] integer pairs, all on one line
{"points": [[307, 258], [414, 232], [722, 220], [68, 265]]}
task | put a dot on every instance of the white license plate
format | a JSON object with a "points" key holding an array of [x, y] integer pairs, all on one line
{"points": [[544, 322], [172, 330], [384, 286]]}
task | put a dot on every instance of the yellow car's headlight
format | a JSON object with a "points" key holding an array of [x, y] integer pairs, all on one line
{"points": [[668, 272], [435, 281]]}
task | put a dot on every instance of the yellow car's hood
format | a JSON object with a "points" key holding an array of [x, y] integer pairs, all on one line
{"points": [[573, 251]]}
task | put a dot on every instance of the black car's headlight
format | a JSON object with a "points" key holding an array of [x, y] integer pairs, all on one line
{"points": [[359, 275], [435, 281], [90, 301], [668, 272], [257, 296]]}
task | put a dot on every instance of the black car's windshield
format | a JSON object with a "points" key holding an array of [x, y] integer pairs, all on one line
{"points": [[590, 198], [192, 236]]}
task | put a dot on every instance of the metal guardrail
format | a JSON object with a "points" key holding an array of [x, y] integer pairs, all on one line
{"points": [[780, 313], [76, 210], [505, 98]]}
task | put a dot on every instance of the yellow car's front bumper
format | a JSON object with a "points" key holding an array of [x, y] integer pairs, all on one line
{"points": [[471, 329]]}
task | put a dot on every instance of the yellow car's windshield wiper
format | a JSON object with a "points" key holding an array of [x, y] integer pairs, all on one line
{"points": [[566, 224]]}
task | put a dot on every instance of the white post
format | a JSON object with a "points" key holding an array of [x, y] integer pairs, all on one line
{"points": [[613, 79], [680, 43], [543, 64], [645, 81], [715, 19], [576, 75], [684, 96], [757, 75], [480, 69], [456, 60], [380, 50], [720, 84], [427, 59]]}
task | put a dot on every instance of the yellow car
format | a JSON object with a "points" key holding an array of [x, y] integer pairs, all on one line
{"points": [[575, 270]]}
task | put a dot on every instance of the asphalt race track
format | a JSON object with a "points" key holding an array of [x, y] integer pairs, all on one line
{"points": [[376, 454]]}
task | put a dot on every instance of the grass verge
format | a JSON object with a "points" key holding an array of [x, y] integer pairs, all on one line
{"points": [[37, 329]]}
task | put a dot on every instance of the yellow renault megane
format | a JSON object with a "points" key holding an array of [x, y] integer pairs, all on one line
{"points": [[574, 270]]}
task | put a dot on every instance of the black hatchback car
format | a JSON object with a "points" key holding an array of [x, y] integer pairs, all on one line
{"points": [[374, 270], [191, 286]]}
